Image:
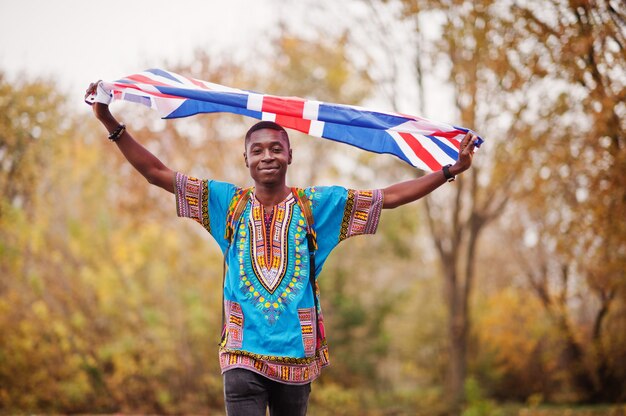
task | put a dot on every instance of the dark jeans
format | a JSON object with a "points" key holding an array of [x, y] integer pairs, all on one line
{"points": [[249, 394]]}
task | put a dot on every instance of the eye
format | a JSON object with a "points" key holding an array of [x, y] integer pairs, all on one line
{"points": [[277, 149]]}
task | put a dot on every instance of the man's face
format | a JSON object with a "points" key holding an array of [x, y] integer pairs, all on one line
{"points": [[267, 156]]}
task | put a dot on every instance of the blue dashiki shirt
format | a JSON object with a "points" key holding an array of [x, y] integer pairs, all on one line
{"points": [[268, 300]]}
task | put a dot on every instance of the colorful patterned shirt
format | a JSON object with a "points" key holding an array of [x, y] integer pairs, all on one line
{"points": [[268, 300]]}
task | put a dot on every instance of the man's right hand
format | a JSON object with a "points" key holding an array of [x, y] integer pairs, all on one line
{"points": [[99, 100]]}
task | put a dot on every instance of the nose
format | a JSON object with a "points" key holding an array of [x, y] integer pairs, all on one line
{"points": [[268, 155]]}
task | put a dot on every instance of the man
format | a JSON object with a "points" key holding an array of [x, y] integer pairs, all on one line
{"points": [[275, 240]]}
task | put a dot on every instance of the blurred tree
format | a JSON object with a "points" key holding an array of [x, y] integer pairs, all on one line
{"points": [[457, 217], [101, 311], [502, 56], [30, 114], [570, 192], [514, 359], [27, 118]]}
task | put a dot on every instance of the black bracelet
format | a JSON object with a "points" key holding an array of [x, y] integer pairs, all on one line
{"points": [[115, 136], [447, 174]]}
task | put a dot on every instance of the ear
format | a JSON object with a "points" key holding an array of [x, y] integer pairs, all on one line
{"points": [[290, 157], [245, 158]]}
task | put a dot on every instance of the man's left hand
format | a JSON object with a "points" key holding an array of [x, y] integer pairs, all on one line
{"points": [[466, 154]]}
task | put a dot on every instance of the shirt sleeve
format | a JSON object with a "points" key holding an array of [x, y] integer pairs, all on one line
{"points": [[206, 202], [191, 199], [361, 213], [341, 213]]}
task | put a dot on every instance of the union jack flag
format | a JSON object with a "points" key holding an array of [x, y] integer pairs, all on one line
{"points": [[423, 143]]}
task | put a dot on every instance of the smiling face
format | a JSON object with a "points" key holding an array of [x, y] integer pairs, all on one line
{"points": [[267, 156]]}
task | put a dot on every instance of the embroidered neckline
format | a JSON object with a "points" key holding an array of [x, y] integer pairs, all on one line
{"points": [[269, 244]]}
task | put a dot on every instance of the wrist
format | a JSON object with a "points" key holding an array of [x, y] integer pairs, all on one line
{"points": [[456, 169], [102, 112], [449, 176], [116, 134]]}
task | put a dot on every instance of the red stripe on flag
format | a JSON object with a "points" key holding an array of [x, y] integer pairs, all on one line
{"points": [[196, 83], [293, 107], [420, 152], [450, 137], [295, 123]]}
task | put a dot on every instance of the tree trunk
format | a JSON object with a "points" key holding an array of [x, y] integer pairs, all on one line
{"points": [[457, 342]]}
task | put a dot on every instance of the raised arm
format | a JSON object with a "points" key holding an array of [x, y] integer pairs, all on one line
{"points": [[409, 191], [145, 162]]}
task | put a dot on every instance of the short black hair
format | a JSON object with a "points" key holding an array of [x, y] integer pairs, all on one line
{"points": [[266, 125]]}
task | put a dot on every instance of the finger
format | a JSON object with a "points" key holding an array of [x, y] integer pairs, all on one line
{"points": [[472, 143], [462, 144], [89, 91], [465, 142], [93, 85]]}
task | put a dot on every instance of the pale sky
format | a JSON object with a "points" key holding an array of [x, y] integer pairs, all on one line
{"points": [[78, 41]]}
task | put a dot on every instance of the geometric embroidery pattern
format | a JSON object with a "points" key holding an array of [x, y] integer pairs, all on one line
{"points": [[235, 325], [269, 250], [191, 197], [278, 371], [361, 214], [307, 316]]}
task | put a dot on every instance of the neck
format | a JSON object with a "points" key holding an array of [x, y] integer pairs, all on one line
{"points": [[270, 195]]}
